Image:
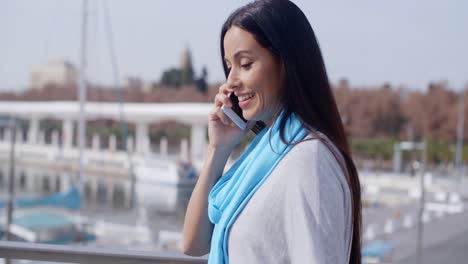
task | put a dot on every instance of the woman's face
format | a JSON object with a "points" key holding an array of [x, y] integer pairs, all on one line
{"points": [[255, 75]]}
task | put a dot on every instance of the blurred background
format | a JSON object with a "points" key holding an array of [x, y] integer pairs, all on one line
{"points": [[103, 119]]}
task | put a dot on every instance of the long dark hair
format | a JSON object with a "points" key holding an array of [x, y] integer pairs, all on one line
{"points": [[282, 28]]}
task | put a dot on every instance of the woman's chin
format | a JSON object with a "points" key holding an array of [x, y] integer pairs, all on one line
{"points": [[248, 116], [253, 115]]}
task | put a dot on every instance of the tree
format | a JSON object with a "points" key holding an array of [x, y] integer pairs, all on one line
{"points": [[201, 82], [172, 78]]}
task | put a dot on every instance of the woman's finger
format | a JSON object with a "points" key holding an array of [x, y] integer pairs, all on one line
{"points": [[212, 115], [216, 114], [222, 99], [222, 116], [224, 89]]}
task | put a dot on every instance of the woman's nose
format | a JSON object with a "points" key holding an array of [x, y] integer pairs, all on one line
{"points": [[233, 80]]}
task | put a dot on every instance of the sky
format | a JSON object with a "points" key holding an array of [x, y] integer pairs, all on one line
{"points": [[369, 42]]}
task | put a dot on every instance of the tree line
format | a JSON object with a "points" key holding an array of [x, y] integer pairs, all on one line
{"points": [[401, 113]]}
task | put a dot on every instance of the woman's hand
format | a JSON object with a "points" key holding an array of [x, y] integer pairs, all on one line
{"points": [[222, 132]]}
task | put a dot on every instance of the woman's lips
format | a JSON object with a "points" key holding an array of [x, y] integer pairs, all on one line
{"points": [[245, 102], [244, 97]]}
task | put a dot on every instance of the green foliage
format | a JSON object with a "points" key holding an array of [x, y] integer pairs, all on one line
{"points": [[382, 148], [173, 135], [48, 126], [172, 78], [444, 151], [105, 130], [439, 151], [185, 75], [201, 83], [373, 148]]}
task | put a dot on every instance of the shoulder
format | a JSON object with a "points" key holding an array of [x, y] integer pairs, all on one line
{"points": [[316, 157], [311, 170], [317, 203]]}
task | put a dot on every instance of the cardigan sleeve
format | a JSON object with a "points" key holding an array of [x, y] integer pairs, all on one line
{"points": [[317, 209]]}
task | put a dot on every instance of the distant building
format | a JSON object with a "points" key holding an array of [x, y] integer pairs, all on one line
{"points": [[58, 72], [186, 67], [132, 82], [185, 58]]}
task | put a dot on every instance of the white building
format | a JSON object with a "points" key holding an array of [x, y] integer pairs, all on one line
{"points": [[132, 82], [59, 72]]}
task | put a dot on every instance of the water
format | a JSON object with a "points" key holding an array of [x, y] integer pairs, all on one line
{"points": [[106, 200]]}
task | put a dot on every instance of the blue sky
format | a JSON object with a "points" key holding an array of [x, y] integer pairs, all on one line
{"points": [[368, 42]]}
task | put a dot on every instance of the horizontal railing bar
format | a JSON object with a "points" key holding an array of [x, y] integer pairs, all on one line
{"points": [[91, 255]]}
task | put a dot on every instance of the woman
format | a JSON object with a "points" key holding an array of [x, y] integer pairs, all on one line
{"points": [[294, 194]]}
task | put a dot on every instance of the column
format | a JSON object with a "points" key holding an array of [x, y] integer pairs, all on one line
{"points": [[7, 135], [94, 191], [55, 138], [184, 155], [96, 142], [110, 191], [33, 131], [142, 138], [130, 144], [5, 178], [52, 182], [67, 133], [396, 158], [198, 142], [19, 134], [64, 183], [163, 147], [127, 195], [30, 184], [112, 143], [41, 138]]}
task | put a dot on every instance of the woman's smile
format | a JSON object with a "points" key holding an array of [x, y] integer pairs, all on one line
{"points": [[246, 99]]}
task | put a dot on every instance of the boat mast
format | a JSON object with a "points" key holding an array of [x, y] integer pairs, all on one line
{"points": [[82, 99], [11, 181], [123, 125]]}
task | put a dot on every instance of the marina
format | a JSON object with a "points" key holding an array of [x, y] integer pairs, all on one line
{"points": [[103, 133]]}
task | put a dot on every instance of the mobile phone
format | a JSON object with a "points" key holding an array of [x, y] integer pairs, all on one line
{"points": [[235, 114]]}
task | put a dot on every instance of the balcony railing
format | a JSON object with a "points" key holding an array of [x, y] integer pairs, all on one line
{"points": [[91, 255]]}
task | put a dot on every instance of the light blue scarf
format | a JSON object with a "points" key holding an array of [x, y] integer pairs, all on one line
{"points": [[233, 190]]}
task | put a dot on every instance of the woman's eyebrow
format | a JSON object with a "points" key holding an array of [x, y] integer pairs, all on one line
{"points": [[241, 52]]}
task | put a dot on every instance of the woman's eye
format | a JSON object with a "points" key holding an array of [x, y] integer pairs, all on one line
{"points": [[246, 65]]}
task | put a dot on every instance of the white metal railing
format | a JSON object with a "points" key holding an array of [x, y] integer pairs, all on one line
{"points": [[91, 255]]}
